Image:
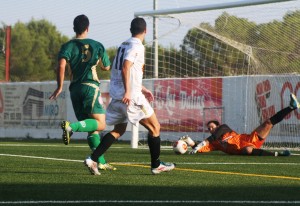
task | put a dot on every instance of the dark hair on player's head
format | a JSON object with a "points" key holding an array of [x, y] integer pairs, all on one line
{"points": [[138, 25], [80, 23], [217, 123]]}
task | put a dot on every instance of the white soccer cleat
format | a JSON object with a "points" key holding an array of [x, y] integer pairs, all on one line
{"points": [[163, 167], [294, 104], [92, 166]]}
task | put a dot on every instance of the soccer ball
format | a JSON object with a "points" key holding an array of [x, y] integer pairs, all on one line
{"points": [[180, 147]]}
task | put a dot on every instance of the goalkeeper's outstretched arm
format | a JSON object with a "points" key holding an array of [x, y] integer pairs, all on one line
{"points": [[203, 146], [198, 146]]}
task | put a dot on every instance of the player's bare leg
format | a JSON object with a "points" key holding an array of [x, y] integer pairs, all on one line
{"points": [[106, 142], [153, 126], [264, 129], [100, 118]]}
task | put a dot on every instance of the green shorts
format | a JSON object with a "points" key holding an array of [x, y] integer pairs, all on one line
{"points": [[85, 99]]}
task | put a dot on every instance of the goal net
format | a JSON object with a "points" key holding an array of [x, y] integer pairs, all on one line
{"points": [[236, 65]]}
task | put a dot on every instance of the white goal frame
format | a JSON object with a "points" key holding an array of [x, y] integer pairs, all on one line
{"points": [[154, 13], [194, 9]]}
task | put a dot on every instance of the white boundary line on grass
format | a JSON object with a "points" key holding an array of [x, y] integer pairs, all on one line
{"points": [[182, 163], [45, 158], [179, 169], [179, 163], [81, 146], [136, 164], [149, 201], [206, 202]]}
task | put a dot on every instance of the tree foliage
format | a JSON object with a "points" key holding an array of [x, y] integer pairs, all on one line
{"points": [[274, 45], [34, 48], [275, 48]]}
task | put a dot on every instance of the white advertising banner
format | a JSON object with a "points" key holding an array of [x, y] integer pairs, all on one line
{"points": [[28, 106], [182, 106]]}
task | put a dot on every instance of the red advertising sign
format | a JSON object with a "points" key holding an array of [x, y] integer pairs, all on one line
{"points": [[180, 103]]}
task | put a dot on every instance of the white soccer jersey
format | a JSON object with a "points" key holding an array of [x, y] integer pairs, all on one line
{"points": [[132, 50]]}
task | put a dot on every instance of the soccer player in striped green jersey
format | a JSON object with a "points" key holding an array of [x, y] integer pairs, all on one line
{"points": [[83, 55]]}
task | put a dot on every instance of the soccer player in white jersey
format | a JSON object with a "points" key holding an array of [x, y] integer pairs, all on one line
{"points": [[130, 100]]}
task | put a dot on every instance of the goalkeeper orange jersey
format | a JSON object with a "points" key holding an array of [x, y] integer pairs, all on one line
{"points": [[231, 142]]}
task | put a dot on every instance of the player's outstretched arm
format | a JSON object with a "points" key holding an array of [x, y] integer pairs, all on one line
{"points": [[199, 146]]}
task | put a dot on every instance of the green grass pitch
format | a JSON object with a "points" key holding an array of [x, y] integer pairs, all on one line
{"points": [[46, 172]]}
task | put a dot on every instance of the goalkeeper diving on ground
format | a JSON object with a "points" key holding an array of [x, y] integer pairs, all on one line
{"points": [[224, 139]]}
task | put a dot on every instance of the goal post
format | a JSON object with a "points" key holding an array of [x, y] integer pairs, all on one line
{"points": [[206, 7], [242, 57]]}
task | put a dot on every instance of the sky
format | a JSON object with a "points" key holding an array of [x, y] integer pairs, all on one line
{"points": [[109, 19]]}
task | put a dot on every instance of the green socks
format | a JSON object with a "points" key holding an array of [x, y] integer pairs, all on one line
{"points": [[94, 141], [88, 125]]}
